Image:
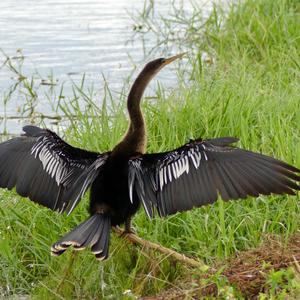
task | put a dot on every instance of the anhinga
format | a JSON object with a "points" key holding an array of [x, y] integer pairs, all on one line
{"points": [[53, 173]]}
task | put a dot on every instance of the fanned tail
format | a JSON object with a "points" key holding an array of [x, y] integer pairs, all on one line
{"points": [[94, 232]]}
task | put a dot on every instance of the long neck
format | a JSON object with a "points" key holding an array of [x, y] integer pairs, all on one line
{"points": [[134, 101], [135, 138]]}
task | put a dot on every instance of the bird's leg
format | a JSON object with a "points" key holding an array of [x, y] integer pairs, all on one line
{"points": [[128, 228]]}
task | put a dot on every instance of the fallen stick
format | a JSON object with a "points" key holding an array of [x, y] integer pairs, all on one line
{"points": [[133, 238]]}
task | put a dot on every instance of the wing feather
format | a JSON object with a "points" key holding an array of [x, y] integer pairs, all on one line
{"points": [[46, 169], [196, 173]]}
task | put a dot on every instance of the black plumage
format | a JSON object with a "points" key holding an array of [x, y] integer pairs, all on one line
{"points": [[198, 172], [44, 168]]}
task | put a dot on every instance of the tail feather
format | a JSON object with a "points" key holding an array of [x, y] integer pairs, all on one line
{"points": [[94, 232], [100, 248]]}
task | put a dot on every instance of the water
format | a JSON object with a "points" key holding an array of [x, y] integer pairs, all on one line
{"points": [[66, 39]]}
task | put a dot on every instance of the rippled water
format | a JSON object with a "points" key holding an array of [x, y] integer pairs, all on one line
{"points": [[68, 39]]}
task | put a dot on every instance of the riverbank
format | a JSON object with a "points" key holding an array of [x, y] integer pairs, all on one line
{"points": [[250, 89]]}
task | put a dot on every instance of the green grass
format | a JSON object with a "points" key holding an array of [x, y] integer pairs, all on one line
{"points": [[252, 91]]}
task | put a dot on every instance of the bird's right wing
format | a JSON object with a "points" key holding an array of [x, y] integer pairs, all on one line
{"points": [[46, 169], [196, 173]]}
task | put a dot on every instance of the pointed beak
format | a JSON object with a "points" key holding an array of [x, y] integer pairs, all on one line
{"points": [[172, 58]]}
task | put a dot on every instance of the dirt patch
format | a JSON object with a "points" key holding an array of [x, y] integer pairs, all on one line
{"points": [[247, 271]]}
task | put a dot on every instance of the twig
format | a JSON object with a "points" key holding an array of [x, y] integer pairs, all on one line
{"points": [[67, 270], [36, 116], [297, 266], [133, 238], [42, 116]]}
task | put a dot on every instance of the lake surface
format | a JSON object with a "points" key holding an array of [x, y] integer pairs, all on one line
{"points": [[67, 39]]}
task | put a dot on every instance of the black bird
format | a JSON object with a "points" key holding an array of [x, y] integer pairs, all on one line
{"points": [[53, 173]]}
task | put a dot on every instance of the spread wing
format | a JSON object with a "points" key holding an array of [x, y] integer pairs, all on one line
{"points": [[196, 173], [46, 169]]}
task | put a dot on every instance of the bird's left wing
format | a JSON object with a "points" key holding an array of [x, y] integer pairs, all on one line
{"points": [[196, 173], [46, 169]]}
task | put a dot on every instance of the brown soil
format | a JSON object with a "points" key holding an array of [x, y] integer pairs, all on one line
{"points": [[247, 271]]}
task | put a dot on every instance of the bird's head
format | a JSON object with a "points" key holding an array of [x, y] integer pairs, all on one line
{"points": [[145, 76], [154, 66]]}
